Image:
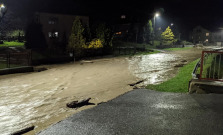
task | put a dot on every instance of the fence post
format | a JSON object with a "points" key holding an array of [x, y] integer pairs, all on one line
{"points": [[9, 60], [30, 58], [202, 62]]}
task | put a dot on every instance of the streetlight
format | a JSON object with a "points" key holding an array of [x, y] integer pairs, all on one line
{"points": [[2, 6], [154, 30], [156, 15], [2, 10]]}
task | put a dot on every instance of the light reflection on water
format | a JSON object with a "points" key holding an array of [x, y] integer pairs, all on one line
{"points": [[154, 68]]}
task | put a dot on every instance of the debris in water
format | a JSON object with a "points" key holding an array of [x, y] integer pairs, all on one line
{"points": [[23, 131], [135, 87], [133, 84], [76, 104], [84, 61]]}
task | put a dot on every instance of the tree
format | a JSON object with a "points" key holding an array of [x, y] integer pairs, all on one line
{"points": [[148, 32], [34, 36], [105, 35], [76, 39], [11, 22], [168, 37]]}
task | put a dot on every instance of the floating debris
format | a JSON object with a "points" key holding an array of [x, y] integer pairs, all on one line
{"points": [[76, 104], [23, 131]]}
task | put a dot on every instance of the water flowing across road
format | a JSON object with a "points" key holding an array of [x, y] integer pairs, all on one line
{"points": [[33, 98], [154, 68]]}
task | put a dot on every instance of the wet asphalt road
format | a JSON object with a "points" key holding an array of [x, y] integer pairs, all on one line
{"points": [[146, 112]]}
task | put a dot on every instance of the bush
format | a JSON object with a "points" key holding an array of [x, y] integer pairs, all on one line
{"points": [[184, 42], [95, 43]]}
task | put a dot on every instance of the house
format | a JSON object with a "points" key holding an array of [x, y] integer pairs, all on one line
{"points": [[217, 37], [201, 35], [57, 27]]}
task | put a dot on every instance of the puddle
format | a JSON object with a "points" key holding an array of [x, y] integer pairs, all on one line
{"points": [[154, 68], [167, 106]]}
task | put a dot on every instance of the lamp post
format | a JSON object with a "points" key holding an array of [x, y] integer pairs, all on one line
{"points": [[156, 15], [2, 10], [154, 29]]}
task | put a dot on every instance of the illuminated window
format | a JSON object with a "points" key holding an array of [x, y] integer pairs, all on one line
{"points": [[53, 34], [118, 33], [207, 34], [50, 34], [123, 16], [53, 20], [56, 34]]}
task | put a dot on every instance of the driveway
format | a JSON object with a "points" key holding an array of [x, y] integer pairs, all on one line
{"points": [[147, 112]]}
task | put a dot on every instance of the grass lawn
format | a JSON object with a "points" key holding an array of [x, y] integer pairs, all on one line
{"points": [[179, 83], [178, 49], [3, 65], [13, 43]]}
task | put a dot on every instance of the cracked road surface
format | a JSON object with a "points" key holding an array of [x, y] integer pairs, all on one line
{"points": [[146, 112]]}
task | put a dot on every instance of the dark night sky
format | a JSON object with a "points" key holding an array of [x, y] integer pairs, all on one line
{"points": [[186, 14]]}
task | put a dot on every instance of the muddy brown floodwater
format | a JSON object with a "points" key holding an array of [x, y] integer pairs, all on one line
{"points": [[40, 98], [157, 68]]}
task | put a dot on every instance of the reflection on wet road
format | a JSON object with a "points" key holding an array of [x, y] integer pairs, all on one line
{"points": [[154, 68]]}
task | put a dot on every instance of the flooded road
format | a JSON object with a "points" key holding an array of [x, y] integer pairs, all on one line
{"points": [[40, 98], [154, 68], [26, 102]]}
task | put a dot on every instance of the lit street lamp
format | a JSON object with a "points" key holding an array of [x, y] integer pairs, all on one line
{"points": [[154, 30], [2, 10], [2, 6], [156, 15]]}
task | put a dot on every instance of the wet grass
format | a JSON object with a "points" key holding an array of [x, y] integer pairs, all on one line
{"points": [[179, 83], [178, 49], [3, 66], [12, 44]]}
